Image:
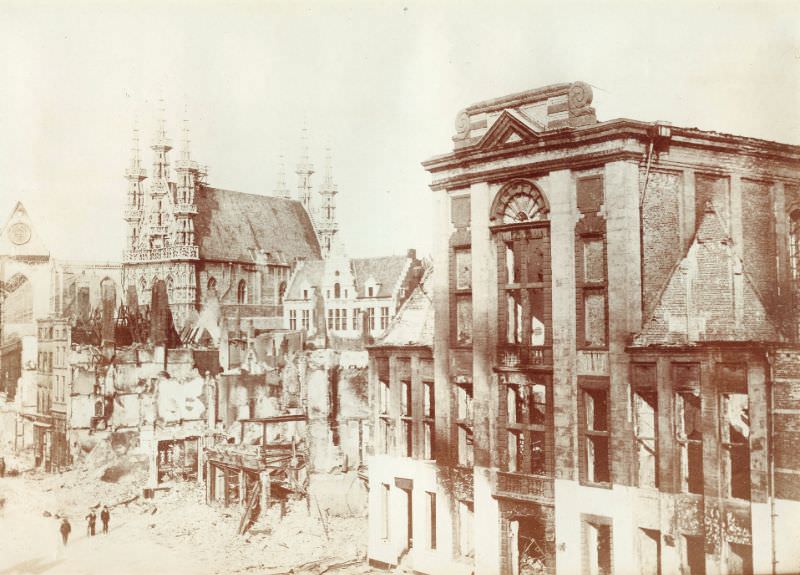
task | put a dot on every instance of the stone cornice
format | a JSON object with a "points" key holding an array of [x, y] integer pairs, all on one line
{"points": [[567, 139], [534, 168]]}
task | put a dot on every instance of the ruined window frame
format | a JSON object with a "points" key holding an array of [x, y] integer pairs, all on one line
{"points": [[530, 425], [644, 383], [463, 417], [689, 447], [731, 446], [595, 528], [460, 320], [592, 437]]}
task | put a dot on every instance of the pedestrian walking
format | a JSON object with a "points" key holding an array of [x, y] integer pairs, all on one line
{"points": [[64, 528], [91, 521], [105, 517]]}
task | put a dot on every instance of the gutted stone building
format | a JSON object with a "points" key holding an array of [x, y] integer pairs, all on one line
{"points": [[616, 360]]}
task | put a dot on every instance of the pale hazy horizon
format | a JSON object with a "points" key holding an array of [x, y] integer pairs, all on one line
{"points": [[379, 82]]}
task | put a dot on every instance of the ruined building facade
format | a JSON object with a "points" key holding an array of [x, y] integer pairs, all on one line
{"points": [[616, 359], [45, 306]]}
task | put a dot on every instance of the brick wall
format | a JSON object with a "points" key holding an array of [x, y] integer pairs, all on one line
{"points": [[758, 233], [661, 228]]}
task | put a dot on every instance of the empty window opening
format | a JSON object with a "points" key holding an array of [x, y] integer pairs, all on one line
{"points": [[431, 503], [645, 404], [736, 441], [597, 548], [649, 543], [429, 401], [384, 391], [597, 460], [405, 398], [694, 557], [688, 418], [465, 449], [527, 546], [408, 438]]}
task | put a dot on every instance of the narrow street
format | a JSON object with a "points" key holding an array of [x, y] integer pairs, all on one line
{"points": [[175, 533]]}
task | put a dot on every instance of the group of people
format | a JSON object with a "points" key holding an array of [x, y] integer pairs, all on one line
{"points": [[91, 521]]}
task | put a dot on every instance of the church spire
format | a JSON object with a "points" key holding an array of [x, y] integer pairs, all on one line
{"points": [[281, 190], [135, 174], [161, 146], [187, 173], [327, 225], [304, 171]]}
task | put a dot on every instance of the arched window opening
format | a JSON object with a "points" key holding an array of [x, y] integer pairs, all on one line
{"points": [[241, 292], [519, 202], [212, 283], [337, 291]]}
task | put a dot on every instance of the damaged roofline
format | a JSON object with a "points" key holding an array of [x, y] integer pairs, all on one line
{"points": [[621, 128]]}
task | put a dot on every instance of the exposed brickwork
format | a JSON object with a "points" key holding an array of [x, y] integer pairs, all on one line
{"points": [[758, 234], [661, 229], [714, 189]]}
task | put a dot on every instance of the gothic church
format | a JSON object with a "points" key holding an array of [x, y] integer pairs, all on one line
{"points": [[223, 254]]}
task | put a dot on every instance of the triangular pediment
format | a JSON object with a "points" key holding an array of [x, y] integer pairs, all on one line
{"points": [[510, 128], [709, 296], [18, 238]]}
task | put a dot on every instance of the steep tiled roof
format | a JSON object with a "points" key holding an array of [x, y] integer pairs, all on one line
{"points": [[709, 296], [387, 271], [413, 324], [230, 224], [311, 273]]}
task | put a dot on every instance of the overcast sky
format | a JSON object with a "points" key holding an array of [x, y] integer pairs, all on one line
{"points": [[381, 82]]}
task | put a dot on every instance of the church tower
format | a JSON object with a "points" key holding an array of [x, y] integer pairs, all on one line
{"points": [[304, 171], [135, 175], [326, 223], [161, 235]]}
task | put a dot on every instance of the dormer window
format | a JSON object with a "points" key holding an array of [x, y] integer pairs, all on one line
{"points": [[337, 290], [305, 294], [369, 291]]}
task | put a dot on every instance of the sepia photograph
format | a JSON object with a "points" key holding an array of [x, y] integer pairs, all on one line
{"points": [[388, 287]]}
